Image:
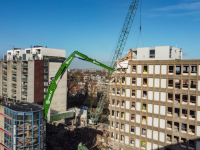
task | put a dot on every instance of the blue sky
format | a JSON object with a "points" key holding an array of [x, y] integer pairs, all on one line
{"points": [[93, 26]]}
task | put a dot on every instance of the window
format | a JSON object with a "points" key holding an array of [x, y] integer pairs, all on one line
{"points": [[178, 70], [144, 106], [118, 91], [122, 126], [145, 69], [171, 69], [28, 51], [144, 95], [134, 69], [152, 54], [184, 127], [122, 115], [113, 113], [113, 90], [133, 81], [133, 93], [123, 92], [193, 84], [117, 125], [132, 129], [118, 103], [170, 53], [122, 103], [123, 80], [117, 114], [9, 53], [143, 131], [185, 69], [193, 69], [185, 83], [113, 101], [144, 119], [132, 117], [144, 81], [133, 105], [134, 54], [170, 83], [132, 141]]}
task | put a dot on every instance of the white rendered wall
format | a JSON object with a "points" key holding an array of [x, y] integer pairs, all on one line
{"points": [[138, 94], [150, 69], [163, 83], [149, 133], [127, 140], [139, 68], [155, 122], [157, 69], [149, 108], [138, 118], [149, 121], [127, 92], [127, 116], [164, 69], [127, 128], [163, 97], [138, 81], [137, 130], [127, 104], [162, 110], [155, 135], [156, 109], [156, 83], [150, 95], [156, 96], [162, 123], [150, 82], [128, 80]]}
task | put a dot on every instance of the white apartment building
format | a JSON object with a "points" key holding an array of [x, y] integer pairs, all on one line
{"points": [[25, 76], [156, 105]]}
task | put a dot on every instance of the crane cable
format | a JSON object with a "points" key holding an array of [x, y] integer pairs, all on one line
{"points": [[140, 26]]}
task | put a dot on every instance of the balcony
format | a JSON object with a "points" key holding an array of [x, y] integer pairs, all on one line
{"points": [[183, 142], [143, 132], [184, 99], [4, 65], [4, 78], [4, 83], [14, 66], [24, 71], [14, 72], [184, 128], [178, 70], [169, 125], [177, 84], [132, 129], [24, 65], [24, 92], [176, 127], [184, 114], [25, 79], [170, 83], [24, 98], [5, 89], [14, 78], [13, 96], [192, 115], [185, 70], [14, 84], [192, 100], [169, 111], [133, 105], [170, 97], [144, 119], [193, 70], [5, 72], [169, 138], [185, 84], [132, 117], [171, 69], [177, 112], [176, 139], [191, 129], [14, 90]]}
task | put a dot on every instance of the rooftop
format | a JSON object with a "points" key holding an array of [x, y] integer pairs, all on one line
{"points": [[25, 107]]}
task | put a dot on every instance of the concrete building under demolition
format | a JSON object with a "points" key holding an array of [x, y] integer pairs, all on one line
{"points": [[25, 75], [22, 126], [156, 105]]}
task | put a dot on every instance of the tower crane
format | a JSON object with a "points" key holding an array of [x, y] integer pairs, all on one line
{"points": [[117, 53]]}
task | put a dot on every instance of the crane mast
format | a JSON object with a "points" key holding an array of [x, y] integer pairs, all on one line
{"points": [[117, 53]]}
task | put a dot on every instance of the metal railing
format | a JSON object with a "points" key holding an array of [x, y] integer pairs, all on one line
{"points": [[24, 79], [24, 92]]}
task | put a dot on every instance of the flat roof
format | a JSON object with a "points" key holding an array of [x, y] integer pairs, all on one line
{"points": [[24, 107]]}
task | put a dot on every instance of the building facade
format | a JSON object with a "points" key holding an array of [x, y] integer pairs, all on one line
{"points": [[156, 105], [25, 76], [22, 127]]}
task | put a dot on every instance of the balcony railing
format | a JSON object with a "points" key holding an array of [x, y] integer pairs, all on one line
{"points": [[14, 78], [14, 84], [4, 78], [24, 92], [14, 66], [24, 71], [14, 72], [4, 72], [24, 65], [14, 90], [24, 85], [4, 83], [24, 79], [4, 66]]}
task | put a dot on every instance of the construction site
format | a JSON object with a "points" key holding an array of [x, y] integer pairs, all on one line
{"points": [[146, 100]]}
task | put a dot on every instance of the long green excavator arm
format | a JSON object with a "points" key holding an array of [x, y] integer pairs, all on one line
{"points": [[59, 74]]}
